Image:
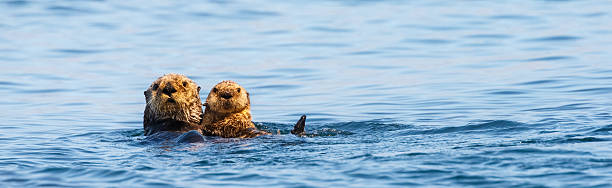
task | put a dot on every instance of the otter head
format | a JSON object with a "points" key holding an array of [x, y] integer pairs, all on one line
{"points": [[227, 97], [173, 96]]}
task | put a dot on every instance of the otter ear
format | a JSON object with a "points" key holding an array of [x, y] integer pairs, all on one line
{"points": [[248, 98], [147, 94]]}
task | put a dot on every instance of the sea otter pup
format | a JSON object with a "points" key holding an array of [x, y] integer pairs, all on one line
{"points": [[173, 105], [228, 113]]}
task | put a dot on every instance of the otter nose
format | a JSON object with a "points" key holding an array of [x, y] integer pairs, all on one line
{"points": [[226, 95], [169, 89]]}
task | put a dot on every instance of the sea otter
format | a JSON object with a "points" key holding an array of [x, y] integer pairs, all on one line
{"points": [[228, 113], [173, 105]]}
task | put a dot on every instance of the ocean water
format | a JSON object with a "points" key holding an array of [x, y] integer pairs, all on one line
{"points": [[397, 93]]}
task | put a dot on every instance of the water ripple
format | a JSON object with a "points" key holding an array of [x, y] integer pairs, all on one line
{"points": [[549, 58], [601, 90], [494, 127], [523, 151], [17, 3], [277, 86], [364, 53], [397, 93], [42, 91], [428, 41], [507, 92], [566, 140], [256, 13], [330, 29], [561, 38], [539, 82], [432, 27], [70, 10], [489, 36], [314, 45], [576, 106], [78, 51], [8, 83], [513, 17], [606, 130]]}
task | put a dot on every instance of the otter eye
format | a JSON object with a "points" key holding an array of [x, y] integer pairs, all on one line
{"points": [[238, 90], [155, 86], [215, 90], [184, 84]]}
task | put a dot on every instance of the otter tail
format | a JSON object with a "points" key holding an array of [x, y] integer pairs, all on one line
{"points": [[298, 129]]}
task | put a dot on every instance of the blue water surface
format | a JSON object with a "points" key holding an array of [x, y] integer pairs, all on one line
{"points": [[397, 93]]}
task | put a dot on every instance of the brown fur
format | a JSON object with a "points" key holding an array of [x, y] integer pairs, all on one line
{"points": [[173, 104], [228, 112]]}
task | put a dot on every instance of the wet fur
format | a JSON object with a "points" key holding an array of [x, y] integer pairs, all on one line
{"points": [[178, 111], [231, 117]]}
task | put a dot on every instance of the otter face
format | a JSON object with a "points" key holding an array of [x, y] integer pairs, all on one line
{"points": [[173, 96], [227, 97]]}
